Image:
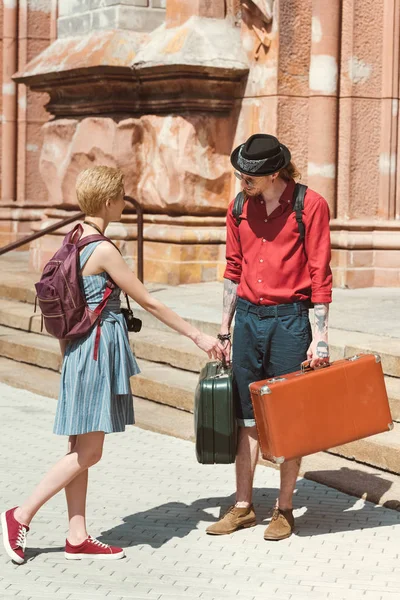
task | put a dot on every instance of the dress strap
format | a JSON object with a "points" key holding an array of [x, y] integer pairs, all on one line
{"points": [[87, 252]]}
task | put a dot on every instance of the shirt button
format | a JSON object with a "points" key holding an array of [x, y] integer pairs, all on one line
{"points": [[261, 299], [262, 201], [265, 220], [260, 280], [264, 240], [261, 260]]}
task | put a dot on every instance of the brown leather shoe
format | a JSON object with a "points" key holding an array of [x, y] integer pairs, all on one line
{"points": [[281, 525], [234, 519]]}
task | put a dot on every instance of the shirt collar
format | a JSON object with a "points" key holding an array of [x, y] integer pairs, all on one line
{"points": [[287, 195]]}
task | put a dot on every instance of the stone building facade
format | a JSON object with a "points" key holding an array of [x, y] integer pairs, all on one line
{"points": [[164, 89]]}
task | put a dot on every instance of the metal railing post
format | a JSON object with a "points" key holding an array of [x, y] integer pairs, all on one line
{"points": [[139, 213]]}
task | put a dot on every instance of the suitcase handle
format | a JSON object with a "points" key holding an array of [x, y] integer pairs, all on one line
{"points": [[306, 366]]}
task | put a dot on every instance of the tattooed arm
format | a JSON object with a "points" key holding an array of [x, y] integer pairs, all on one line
{"points": [[318, 352], [229, 306]]}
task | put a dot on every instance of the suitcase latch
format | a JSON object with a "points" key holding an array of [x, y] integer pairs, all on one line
{"points": [[265, 390], [275, 379], [357, 356]]}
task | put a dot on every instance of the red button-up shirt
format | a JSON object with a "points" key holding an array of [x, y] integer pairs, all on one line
{"points": [[267, 258]]}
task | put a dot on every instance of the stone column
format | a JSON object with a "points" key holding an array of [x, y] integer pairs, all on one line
{"points": [[323, 102], [26, 33], [365, 233]]}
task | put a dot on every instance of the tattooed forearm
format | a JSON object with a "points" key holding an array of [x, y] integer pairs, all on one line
{"points": [[321, 312], [229, 303]]}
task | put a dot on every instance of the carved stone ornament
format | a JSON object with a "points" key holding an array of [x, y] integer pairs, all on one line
{"points": [[199, 66], [258, 15]]}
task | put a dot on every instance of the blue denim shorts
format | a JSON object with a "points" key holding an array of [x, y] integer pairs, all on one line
{"points": [[268, 341]]}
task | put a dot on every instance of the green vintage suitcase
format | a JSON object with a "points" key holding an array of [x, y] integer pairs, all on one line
{"points": [[214, 416]]}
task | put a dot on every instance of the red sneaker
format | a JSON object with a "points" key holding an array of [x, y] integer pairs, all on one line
{"points": [[92, 548], [14, 536]]}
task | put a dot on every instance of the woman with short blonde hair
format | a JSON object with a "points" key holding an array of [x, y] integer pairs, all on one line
{"points": [[95, 395]]}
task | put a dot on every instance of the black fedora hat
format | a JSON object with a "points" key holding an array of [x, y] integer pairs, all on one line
{"points": [[261, 155]]}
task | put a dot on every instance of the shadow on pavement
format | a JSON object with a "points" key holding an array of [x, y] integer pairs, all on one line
{"points": [[327, 511], [160, 524]]}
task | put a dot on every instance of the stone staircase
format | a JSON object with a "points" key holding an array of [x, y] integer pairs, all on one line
{"points": [[170, 365]]}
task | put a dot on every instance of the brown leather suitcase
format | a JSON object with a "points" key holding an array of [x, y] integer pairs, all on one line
{"points": [[313, 410]]}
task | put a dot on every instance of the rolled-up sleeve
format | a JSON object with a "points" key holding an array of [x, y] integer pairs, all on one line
{"points": [[318, 250], [233, 270]]}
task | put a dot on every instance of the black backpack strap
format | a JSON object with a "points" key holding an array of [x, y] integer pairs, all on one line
{"points": [[298, 207], [238, 207]]}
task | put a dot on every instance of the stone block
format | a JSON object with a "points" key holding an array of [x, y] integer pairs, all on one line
{"points": [[387, 278], [294, 110], [105, 18], [139, 19], [159, 3], [94, 4], [74, 25], [359, 278], [35, 191], [294, 58], [38, 20], [389, 259], [360, 145], [73, 7], [361, 258]]}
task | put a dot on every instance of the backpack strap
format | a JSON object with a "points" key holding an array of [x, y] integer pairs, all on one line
{"points": [[298, 207], [238, 207]]}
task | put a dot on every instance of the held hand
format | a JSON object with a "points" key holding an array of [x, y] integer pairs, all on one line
{"points": [[210, 345], [226, 349], [318, 352]]}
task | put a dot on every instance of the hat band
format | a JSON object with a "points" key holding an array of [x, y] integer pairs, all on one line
{"points": [[253, 166]]}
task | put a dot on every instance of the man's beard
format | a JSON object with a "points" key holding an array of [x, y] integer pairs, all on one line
{"points": [[252, 193]]}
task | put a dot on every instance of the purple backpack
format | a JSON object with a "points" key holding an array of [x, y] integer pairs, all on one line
{"points": [[65, 312]]}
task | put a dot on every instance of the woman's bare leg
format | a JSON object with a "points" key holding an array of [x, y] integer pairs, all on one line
{"points": [[87, 452], [75, 493]]}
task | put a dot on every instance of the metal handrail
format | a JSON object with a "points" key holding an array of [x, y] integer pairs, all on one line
{"points": [[76, 217], [40, 233]]}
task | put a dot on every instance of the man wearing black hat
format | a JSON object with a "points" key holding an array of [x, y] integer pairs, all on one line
{"points": [[277, 265]]}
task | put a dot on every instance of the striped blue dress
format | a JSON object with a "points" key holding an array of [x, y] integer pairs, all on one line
{"points": [[96, 395]]}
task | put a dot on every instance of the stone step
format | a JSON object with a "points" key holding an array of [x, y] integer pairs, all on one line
{"points": [[348, 476], [165, 384], [19, 327], [382, 450], [20, 315], [174, 387], [38, 350], [393, 391], [157, 346]]}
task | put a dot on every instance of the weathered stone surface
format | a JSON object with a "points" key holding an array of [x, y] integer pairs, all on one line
{"points": [[175, 164], [108, 48]]}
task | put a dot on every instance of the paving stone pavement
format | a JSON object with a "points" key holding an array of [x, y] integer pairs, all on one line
{"points": [[149, 495]]}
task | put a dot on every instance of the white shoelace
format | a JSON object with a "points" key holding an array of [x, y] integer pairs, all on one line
{"points": [[21, 538], [98, 543]]}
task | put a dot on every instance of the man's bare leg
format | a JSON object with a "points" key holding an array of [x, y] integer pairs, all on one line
{"points": [[289, 471], [246, 461]]}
